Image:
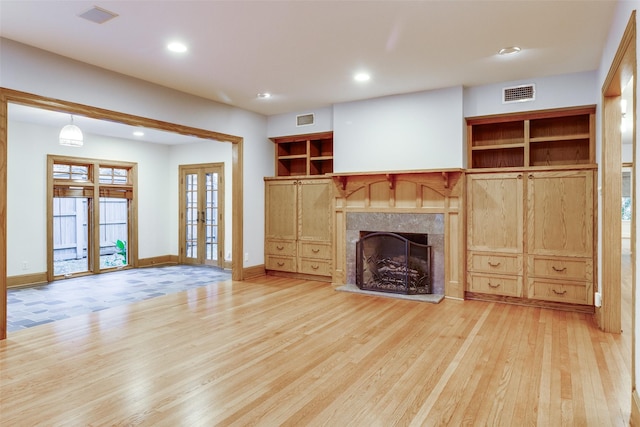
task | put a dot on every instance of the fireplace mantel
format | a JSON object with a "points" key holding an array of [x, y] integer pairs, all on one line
{"points": [[391, 176], [415, 192]]}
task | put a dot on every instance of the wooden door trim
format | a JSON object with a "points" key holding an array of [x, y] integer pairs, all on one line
{"points": [[29, 99], [622, 68]]}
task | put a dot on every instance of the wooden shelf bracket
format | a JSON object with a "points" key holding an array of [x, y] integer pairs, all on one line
{"points": [[392, 180], [445, 177], [343, 182]]}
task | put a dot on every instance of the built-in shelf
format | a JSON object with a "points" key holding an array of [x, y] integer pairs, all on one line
{"points": [[301, 155], [550, 138]]}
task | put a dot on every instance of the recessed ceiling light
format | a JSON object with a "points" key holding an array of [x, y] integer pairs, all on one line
{"points": [[264, 95], [361, 77], [509, 50], [138, 133], [177, 47]]}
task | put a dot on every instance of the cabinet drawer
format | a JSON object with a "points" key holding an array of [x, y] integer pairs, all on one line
{"points": [[280, 247], [496, 284], [315, 250], [561, 268], [495, 263], [315, 266], [561, 291], [280, 263]]}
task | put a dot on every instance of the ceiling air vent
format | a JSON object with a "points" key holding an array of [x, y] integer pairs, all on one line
{"points": [[521, 93], [98, 15], [304, 119]]}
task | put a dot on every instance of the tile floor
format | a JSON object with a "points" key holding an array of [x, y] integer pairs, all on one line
{"points": [[32, 306]]}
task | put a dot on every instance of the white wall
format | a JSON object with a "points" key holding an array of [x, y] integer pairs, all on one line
{"points": [[22, 68], [567, 90], [422, 130], [286, 124], [426, 130], [28, 148]]}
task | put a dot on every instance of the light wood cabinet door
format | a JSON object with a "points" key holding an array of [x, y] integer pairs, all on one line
{"points": [[298, 226], [560, 213], [281, 211], [494, 212], [314, 201]]}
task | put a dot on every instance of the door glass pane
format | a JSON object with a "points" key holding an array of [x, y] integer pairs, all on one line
{"points": [[211, 223], [70, 235], [114, 234], [626, 195], [191, 215]]}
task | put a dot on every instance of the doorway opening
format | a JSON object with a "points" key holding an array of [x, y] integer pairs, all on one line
{"points": [[9, 96]]}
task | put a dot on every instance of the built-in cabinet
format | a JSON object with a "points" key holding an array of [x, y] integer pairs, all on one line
{"points": [[298, 231], [560, 236], [495, 235], [530, 208]]}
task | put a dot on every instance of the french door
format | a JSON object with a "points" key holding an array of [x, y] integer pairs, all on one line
{"points": [[91, 218], [202, 214]]}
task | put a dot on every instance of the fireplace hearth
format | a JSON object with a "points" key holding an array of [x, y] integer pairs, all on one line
{"points": [[394, 262]]}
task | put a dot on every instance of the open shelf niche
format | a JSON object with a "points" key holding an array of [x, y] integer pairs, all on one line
{"points": [[548, 138], [304, 155]]}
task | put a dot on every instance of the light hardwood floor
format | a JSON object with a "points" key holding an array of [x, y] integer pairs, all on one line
{"points": [[274, 351]]}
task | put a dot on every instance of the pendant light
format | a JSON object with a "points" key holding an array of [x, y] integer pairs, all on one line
{"points": [[71, 135]]}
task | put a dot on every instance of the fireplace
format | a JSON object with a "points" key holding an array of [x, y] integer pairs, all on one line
{"points": [[394, 262], [409, 225]]}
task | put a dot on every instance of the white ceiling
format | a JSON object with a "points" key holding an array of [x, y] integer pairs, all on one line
{"points": [[306, 52]]}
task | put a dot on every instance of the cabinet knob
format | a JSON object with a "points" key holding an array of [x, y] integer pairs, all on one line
{"points": [[559, 293], [279, 248], [559, 270], [315, 250], [280, 264], [494, 286], [493, 264], [530, 176], [315, 267]]}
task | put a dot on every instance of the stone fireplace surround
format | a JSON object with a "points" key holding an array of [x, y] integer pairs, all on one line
{"points": [[431, 224]]}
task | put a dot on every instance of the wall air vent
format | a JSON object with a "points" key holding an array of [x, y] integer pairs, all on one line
{"points": [[305, 119], [98, 15], [520, 93]]}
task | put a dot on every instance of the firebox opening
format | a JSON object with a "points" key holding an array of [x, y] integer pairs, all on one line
{"points": [[420, 238], [394, 262]]}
